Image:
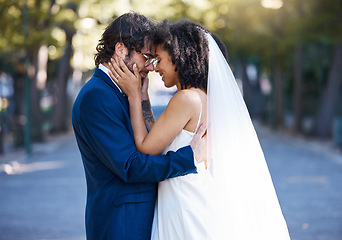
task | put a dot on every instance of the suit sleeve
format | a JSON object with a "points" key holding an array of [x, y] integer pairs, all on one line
{"points": [[107, 131]]}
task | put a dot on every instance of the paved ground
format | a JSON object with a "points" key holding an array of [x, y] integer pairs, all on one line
{"points": [[44, 196], [308, 178]]}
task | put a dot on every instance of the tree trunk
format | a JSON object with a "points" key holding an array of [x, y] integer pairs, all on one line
{"points": [[17, 122], [279, 96], [36, 113], [328, 102], [258, 98], [1, 134], [246, 86], [60, 114], [43, 57], [298, 89]]}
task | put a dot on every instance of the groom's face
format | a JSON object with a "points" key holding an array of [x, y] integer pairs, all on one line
{"points": [[142, 60]]}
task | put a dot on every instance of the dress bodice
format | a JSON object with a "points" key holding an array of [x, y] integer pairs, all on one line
{"points": [[183, 139], [182, 210]]}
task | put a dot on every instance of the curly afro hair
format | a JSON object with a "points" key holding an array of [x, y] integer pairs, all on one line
{"points": [[187, 45], [132, 29]]}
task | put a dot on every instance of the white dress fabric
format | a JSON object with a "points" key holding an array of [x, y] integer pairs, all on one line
{"points": [[182, 207], [235, 198]]}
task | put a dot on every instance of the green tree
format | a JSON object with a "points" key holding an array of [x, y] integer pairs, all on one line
{"points": [[49, 25], [329, 14]]}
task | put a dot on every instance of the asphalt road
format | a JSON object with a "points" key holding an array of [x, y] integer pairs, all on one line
{"points": [[43, 197]]}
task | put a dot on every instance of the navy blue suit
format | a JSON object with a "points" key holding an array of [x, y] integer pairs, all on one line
{"points": [[121, 182]]}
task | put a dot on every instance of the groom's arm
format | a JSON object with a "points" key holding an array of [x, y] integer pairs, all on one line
{"points": [[109, 138]]}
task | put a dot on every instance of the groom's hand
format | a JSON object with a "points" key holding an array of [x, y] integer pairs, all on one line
{"points": [[199, 144]]}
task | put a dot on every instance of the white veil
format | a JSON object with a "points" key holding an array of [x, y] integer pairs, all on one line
{"points": [[245, 200]]}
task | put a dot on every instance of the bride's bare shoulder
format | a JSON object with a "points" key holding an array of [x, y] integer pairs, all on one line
{"points": [[186, 102], [186, 96]]}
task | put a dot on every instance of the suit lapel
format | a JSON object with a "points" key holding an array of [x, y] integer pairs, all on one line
{"points": [[123, 99]]}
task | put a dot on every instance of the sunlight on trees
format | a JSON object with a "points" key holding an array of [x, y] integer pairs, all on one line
{"points": [[287, 42], [274, 4]]}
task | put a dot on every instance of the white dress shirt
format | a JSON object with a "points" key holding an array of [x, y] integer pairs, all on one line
{"points": [[106, 70]]}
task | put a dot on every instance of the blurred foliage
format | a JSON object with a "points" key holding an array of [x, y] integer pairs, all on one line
{"points": [[248, 28], [253, 34]]}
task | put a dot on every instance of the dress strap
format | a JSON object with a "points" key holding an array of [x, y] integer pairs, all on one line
{"points": [[199, 119]]}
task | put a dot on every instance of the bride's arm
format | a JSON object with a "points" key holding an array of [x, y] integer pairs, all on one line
{"points": [[176, 115]]}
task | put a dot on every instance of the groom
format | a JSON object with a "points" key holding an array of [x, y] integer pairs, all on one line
{"points": [[121, 182]]}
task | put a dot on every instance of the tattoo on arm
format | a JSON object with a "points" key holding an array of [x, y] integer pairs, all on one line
{"points": [[148, 114]]}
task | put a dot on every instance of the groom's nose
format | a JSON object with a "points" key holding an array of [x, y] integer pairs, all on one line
{"points": [[150, 67]]}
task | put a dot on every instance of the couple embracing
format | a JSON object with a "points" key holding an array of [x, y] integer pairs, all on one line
{"points": [[198, 171]]}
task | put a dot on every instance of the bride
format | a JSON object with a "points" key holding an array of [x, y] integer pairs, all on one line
{"points": [[232, 195]]}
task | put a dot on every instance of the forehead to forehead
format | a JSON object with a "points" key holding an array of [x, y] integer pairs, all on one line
{"points": [[148, 47], [158, 48]]}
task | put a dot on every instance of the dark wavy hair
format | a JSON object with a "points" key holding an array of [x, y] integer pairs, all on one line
{"points": [[132, 29]]}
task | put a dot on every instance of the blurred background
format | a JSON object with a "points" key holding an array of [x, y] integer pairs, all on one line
{"points": [[286, 55]]}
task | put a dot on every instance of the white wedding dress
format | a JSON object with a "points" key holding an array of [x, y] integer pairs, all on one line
{"points": [[234, 198], [182, 207]]}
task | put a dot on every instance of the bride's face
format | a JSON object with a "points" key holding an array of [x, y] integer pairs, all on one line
{"points": [[166, 68]]}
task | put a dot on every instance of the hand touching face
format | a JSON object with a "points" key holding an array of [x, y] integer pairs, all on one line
{"points": [[129, 83]]}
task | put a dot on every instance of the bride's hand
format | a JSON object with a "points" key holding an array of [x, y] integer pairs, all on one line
{"points": [[128, 82]]}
